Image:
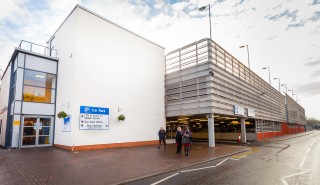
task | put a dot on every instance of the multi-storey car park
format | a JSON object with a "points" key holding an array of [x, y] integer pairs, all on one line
{"points": [[213, 92]]}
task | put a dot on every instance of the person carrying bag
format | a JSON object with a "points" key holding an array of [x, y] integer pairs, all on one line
{"points": [[186, 140]]}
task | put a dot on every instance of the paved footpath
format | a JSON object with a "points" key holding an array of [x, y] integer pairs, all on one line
{"points": [[51, 165]]}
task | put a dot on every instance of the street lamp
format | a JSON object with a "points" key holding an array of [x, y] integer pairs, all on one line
{"points": [[247, 52], [286, 104], [291, 94], [260, 109], [202, 9], [279, 83], [269, 73], [285, 86]]}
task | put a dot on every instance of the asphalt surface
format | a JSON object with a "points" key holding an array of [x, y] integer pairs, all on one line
{"points": [[292, 161]]}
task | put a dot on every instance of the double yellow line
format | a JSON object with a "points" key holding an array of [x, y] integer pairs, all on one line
{"points": [[241, 155]]}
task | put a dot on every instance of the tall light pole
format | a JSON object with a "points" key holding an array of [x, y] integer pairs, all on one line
{"points": [[285, 101], [292, 94], [285, 87], [203, 8], [279, 83], [269, 73], [247, 52]]}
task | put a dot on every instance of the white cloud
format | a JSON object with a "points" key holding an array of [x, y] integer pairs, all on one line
{"points": [[272, 43]]}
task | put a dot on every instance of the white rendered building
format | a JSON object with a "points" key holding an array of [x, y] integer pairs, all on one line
{"points": [[93, 70]]}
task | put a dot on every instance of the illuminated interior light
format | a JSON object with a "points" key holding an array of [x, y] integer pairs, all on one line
{"points": [[39, 76]]}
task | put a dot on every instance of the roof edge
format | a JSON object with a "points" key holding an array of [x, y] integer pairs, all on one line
{"points": [[103, 18]]}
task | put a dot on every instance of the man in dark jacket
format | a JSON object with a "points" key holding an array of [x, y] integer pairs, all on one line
{"points": [[162, 137], [179, 140]]}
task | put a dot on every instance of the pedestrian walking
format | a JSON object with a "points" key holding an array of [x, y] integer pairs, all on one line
{"points": [[186, 134], [178, 140], [162, 137]]}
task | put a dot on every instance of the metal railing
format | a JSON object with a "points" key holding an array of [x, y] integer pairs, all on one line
{"points": [[188, 80], [36, 48]]}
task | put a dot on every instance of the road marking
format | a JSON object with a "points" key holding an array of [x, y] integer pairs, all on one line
{"points": [[209, 166], [285, 182], [304, 158], [198, 169], [245, 154], [165, 179], [222, 161]]}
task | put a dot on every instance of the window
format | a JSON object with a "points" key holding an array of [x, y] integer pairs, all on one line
{"points": [[39, 87], [39, 79]]}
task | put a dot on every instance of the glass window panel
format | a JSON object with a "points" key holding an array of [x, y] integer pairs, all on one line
{"points": [[39, 79], [30, 121], [44, 130], [45, 121], [29, 131], [44, 140], [29, 140], [38, 94]]}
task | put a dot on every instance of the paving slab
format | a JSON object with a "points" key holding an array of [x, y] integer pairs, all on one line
{"points": [[52, 165]]}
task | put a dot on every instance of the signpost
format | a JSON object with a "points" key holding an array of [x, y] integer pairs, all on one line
{"points": [[94, 118], [251, 113], [66, 124], [238, 110]]}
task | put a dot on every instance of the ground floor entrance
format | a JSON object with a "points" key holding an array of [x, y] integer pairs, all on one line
{"points": [[36, 131]]}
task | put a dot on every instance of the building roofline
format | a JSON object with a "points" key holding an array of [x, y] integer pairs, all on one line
{"points": [[17, 50], [103, 18]]}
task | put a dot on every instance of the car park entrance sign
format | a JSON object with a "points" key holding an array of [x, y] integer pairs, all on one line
{"points": [[94, 118]]}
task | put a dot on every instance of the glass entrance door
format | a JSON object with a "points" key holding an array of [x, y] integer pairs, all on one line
{"points": [[36, 131]]}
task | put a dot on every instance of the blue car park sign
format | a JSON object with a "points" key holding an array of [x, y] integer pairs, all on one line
{"points": [[94, 118]]}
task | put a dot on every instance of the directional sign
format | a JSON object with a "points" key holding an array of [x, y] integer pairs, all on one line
{"points": [[94, 118], [238, 110]]}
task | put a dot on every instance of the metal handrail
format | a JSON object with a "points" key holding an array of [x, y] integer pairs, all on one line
{"points": [[37, 48]]}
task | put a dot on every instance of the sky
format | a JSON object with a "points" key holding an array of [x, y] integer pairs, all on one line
{"points": [[283, 35]]}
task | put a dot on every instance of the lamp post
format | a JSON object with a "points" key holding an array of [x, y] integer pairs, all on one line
{"points": [[203, 8], [285, 101], [285, 87], [247, 52], [279, 83], [269, 73], [292, 93], [262, 122]]}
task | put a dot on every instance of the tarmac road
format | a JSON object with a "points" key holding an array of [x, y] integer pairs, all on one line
{"points": [[283, 162]]}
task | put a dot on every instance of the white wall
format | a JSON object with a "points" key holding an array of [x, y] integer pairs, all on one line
{"points": [[4, 90], [110, 67], [3, 117], [65, 42], [4, 97]]}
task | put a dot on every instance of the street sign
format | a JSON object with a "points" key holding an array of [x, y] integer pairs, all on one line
{"points": [[238, 110], [66, 124], [251, 113], [94, 118]]}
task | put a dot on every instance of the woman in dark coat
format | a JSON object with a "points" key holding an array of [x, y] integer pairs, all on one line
{"points": [[178, 140], [162, 137], [186, 141]]}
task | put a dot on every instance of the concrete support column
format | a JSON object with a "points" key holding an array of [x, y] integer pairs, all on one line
{"points": [[211, 130], [243, 130]]}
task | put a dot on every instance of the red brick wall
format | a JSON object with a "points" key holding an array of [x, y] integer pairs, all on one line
{"points": [[285, 130], [107, 146]]}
